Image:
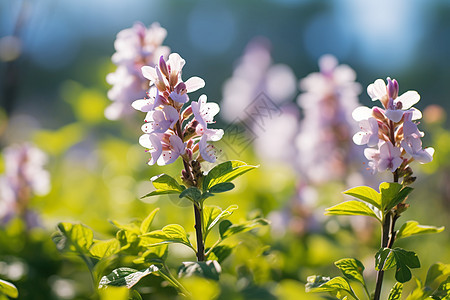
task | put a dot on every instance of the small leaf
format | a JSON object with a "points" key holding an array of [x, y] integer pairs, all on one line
{"points": [[352, 269], [101, 249], [317, 284], [173, 233], [219, 253], [73, 237], [229, 229], [392, 193], [8, 289], [213, 214], [399, 258], [221, 187], [225, 172], [413, 228], [145, 225], [366, 194], [154, 254], [125, 277], [396, 291], [437, 272], [352, 208], [207, 269], [192, 193], [164, 184]]}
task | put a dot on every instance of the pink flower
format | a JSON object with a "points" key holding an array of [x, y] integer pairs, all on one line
{"points": [[172, 151], [368, 134], [413, 146], [160, 121], [153, 143], [389, 157], [204, 112]]}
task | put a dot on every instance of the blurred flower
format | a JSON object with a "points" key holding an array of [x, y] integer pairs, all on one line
{"points": [[255, 74], [323, 143], [136, 47], [24, 177], [171, 132], [400, 139]]}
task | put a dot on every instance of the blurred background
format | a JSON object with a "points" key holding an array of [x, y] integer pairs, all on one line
{"points": [[54, 59]]}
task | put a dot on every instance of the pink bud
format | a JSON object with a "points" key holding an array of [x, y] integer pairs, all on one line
{"points": [[163, 66], [392, 88]]}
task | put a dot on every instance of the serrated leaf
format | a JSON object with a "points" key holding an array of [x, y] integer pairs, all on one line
{"points": [[147, 222], [392, 193], [366, 194], [396, 291], [165, 184], [221, 187], [8, 289], [414, 228], [316, 284], [399, 258], [192, 193], [173, 233], [125, 277], [101, 249], [74, 237], [219, 253], [352, 269], [352, 208], [207, 269], [228, 229], [225, 172]]}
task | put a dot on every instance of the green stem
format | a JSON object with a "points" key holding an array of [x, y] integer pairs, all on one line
{"points": [[212, 247], [167, 275]]}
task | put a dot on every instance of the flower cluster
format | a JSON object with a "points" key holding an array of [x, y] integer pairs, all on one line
{"points": [[136, 47], [327, 102], [24, 177], [391, 132], [173, 128]]}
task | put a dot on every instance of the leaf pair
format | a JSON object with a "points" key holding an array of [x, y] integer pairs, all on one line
{"points": [[398, 258]]}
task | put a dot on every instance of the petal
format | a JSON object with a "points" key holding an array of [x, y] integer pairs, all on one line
{"points": [[361, 113], [209, 110], [395, 115], [416, 114], [408, 99], [176, 62], [360, 138], [149, 73], [144, 105], [194, 83], [377, 89], [179, 98], [177, 144]]}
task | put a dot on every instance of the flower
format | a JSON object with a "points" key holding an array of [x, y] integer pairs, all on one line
{"points": [[393, 126], [368, 134], [135, 47], [160, 120], [204, 112]]}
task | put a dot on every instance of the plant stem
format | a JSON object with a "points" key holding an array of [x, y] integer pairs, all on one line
{"points": [[387, 241], [198, 230]]}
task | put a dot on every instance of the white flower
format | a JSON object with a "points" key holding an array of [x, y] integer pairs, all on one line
{"points": [[204, 112], [368, 134], [153, 143], [173, 150], [413, 146], [389, 157]]}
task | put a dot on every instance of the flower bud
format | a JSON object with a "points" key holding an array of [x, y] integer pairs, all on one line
{"points": [[163, 66], [187, 112], [392, 88], [378, 114]]}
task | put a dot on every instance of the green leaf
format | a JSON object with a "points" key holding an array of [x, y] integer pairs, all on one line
{"points": [[399, 258], [8, 289], [145, 225], [221, 187], [114, 292], [131, 227], [352, 269], [164, 184], [154, 254], [227, 229], [219, 253], [443, 292], [392, 194], [437, 272], [413, 228], [192, 193], [318, 284], [73, 237], [173, 233], [213, 214], [125, 277], [352, 208], [366, 194], [101, 249], [207, 269], [225, 172], [396, 291]]}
